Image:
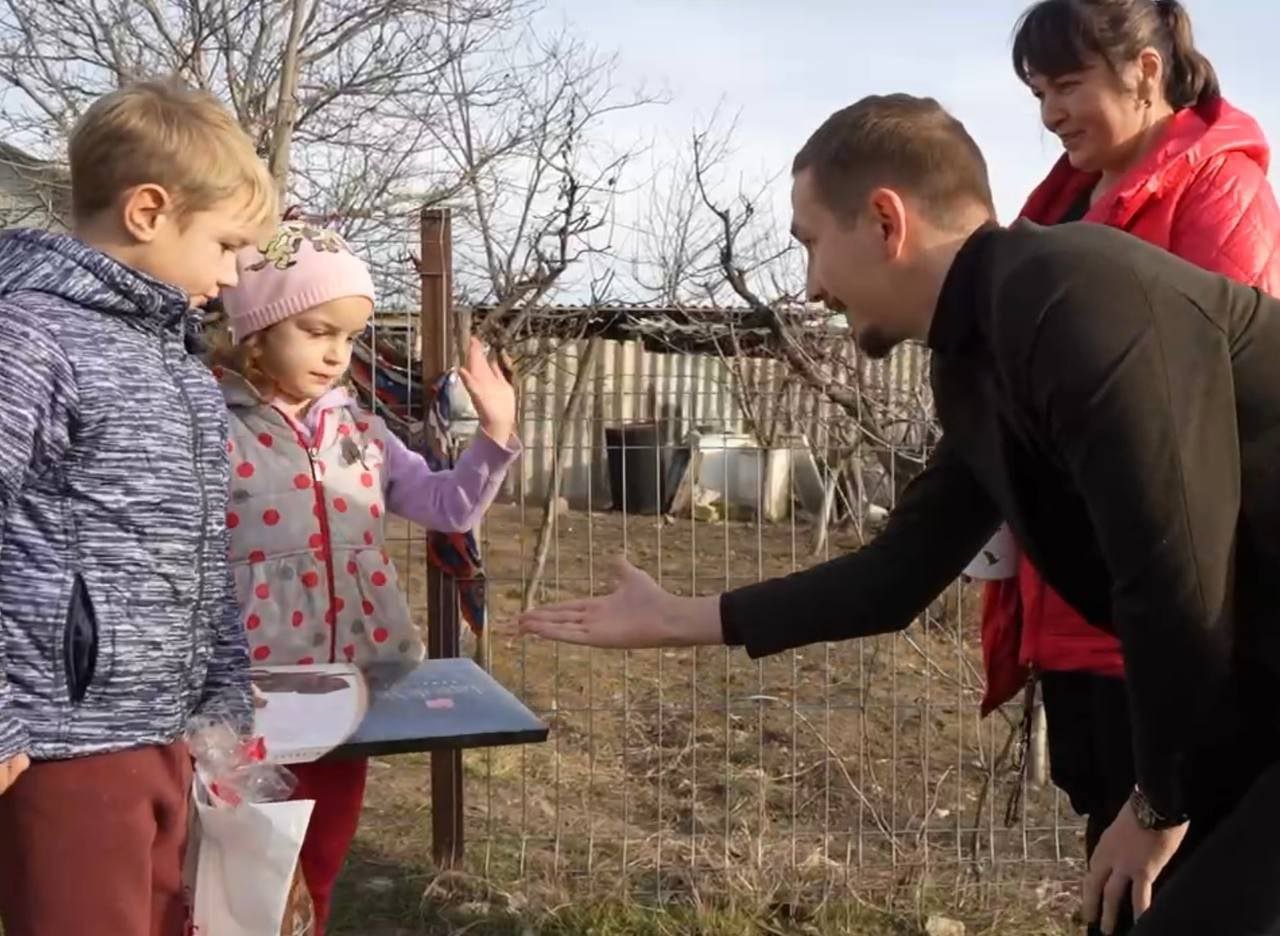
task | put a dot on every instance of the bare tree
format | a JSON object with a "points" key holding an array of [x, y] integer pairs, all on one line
{"points": [[674, 249], [536, 225], [365, 112], [329, 75], [340, 95]]}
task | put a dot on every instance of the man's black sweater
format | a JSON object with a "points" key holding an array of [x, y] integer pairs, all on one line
{"points": [[1120, 408]]}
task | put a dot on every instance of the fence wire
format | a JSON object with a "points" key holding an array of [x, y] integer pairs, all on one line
{"points": [[859, 767]]}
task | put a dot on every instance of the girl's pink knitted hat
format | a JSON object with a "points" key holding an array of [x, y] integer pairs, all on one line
{"points": [[299, 267]]}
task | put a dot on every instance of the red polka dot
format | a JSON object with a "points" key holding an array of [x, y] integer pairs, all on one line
{"points": [[379, 443], [302, 482], [218, 373], [265, 439], [316, 541], [366, 479], [231, 446], [252, 622], [362, 426], [261, 653], [349, 651], [366, 607], [368, 538], [340, 505], [338, 605], [380, 635], [245, 470], [310, 579], [375, 510], [329, 617], [320, 555], [262, 591], [233, 521], [271, 517], [298, 618], [257, 556], [378, 579], [306, 661], [344, 430], [352, 568]]}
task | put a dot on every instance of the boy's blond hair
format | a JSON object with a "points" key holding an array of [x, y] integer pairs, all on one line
{"points": [[169, 135]]}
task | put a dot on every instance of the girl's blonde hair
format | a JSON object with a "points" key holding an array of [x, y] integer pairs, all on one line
{"points": [[243, 358]]}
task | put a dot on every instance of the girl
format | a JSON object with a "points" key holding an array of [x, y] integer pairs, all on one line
{"points": [[1152, 148], [313, 477]]}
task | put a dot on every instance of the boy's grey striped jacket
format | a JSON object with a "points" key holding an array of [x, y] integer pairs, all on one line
{"points": [[117, 621]]}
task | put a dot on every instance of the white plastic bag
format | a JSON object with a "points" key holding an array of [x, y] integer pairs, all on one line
{"points": [[241, 864], [241, 873]]}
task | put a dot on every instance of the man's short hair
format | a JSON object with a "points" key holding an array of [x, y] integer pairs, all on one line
{"points": [[897, 141]]}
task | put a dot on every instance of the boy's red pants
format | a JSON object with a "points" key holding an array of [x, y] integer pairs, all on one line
{"points": [[93, 846]]}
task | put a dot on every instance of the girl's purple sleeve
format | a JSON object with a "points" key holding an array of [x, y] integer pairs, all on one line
{"points": [[450, 501]]}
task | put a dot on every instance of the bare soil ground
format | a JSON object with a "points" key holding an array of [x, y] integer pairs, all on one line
{"points": [[841, 788]]}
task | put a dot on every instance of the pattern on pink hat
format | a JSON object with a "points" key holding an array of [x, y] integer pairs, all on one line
{"points": [[297, 268]]}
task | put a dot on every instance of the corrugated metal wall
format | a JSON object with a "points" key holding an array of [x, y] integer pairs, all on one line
{"points": [[683, 393]]}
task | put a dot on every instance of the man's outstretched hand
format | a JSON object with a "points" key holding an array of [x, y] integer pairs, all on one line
{"points": [[637, 614]]}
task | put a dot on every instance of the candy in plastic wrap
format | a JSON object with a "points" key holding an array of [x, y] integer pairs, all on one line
{"points": [[234, 770]]}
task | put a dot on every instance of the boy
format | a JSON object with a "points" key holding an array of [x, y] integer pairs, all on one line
{"points": [[116, 617]]}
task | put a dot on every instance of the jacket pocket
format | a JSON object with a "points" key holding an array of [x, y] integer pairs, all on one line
{"points": [[80, 642]]}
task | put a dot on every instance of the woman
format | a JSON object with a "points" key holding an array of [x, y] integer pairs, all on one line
{"points": [[1152, 148]]}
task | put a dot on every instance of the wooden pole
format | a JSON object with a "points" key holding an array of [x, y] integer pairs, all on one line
{"points": [[442, 597]]}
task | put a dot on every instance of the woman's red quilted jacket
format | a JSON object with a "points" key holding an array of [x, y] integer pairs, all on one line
{"points": [[1202, 193]]}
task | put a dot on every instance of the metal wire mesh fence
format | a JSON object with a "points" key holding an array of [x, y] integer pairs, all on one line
{"points": [[687, 774]]}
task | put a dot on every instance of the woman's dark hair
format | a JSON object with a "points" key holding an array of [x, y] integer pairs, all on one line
{"points": [[1056, 37]]}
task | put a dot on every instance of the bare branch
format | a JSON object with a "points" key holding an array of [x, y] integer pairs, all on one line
{"points": [[286, 104]]}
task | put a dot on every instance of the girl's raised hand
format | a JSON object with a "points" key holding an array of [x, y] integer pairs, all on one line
{"points": [[491, 392]]}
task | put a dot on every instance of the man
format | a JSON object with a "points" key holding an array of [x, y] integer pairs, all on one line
{"points": [[1119, 407]]}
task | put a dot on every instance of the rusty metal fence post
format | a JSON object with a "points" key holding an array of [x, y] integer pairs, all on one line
{"points": [[442, 599]]}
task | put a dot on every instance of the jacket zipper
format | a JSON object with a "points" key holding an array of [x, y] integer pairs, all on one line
{"points": [[322, 513], [202, 484]]}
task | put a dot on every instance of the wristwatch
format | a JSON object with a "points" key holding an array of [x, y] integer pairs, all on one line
{"points": [[1147, 816]]}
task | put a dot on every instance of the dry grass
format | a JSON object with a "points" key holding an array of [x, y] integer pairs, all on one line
{"points": [[811, 792]]}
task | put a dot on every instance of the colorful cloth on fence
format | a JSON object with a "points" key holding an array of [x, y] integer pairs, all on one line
{"points": [[456, 554]]}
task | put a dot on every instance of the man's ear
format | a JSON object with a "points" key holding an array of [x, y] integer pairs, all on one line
{"points": [[890, 214]]}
